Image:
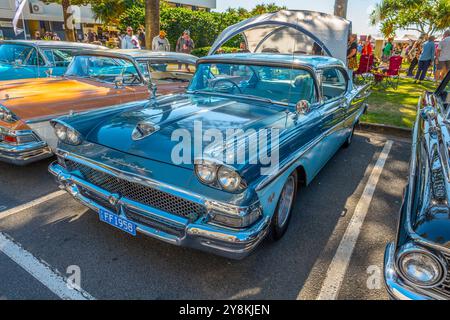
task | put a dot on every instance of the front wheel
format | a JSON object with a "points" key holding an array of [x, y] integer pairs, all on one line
{"points": [[283, 212]]}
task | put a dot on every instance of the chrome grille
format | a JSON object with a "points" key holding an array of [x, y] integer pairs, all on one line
{"points": [[138, 192], [444, 288]]}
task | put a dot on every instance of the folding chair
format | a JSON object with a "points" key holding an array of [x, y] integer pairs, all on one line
{"points": [[363, 74], [391, 76]]}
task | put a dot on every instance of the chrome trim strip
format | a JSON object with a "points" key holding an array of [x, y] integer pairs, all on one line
{"points": [[296, 157]]}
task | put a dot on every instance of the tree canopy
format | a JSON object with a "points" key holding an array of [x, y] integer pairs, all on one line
{"points": [[425, 16], [204, 26]]}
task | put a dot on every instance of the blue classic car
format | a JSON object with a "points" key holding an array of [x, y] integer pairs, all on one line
{"points": [[417, 264], [20, 59], [217, 168]]}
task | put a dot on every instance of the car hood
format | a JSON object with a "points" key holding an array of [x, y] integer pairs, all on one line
{"points": [[36, 98], [176, 119]]}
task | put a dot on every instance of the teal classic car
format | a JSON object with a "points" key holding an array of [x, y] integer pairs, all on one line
{"points": [[20, 59], [216, 168]]}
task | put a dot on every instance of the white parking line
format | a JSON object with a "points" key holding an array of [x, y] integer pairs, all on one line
{"points": [[52, 279], [338, 267], [7, 213]]}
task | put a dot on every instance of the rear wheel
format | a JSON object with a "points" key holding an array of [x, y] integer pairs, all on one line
{"points": [[283, 212]]}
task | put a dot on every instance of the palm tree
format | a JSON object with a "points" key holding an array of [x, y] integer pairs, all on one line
{"points": [[151, 21], [340, 8]]}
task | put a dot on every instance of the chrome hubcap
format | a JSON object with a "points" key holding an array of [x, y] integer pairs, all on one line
{"points": [[286, 200]]}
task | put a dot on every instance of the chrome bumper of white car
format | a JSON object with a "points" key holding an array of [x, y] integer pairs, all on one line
{"points": [[229, 243]]}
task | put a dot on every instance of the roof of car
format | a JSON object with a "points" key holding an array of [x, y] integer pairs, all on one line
{"points": [[143, 54], [315, 62], [56, 44]]}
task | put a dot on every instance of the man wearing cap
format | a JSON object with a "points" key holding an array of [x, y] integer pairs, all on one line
{"points": [[160, 43], [130, 41]]}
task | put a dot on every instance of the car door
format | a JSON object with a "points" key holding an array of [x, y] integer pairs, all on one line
{"points": [[334, 86]]}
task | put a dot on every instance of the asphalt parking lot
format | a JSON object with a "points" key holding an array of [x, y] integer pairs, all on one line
{"points": [[309, 263]]}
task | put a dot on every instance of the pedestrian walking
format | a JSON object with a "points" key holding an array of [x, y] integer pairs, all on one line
{"points": [[130, 41], [414, 55], [185, 45], [443, 57], [160, 42], [352, 52], [426, 59]]}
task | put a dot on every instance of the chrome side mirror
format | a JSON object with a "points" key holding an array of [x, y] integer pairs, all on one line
{"points": [[118, 82], [49, 72], [18, 63], [303, 107]]}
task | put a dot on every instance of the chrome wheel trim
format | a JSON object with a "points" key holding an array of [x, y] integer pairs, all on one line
{"points": [[286, 201]]}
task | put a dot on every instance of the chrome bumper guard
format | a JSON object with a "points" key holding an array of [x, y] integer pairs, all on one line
{"points": [[24, 154], [396, 287], [233, 244]]}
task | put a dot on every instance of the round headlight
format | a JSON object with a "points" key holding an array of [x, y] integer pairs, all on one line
{"points": [[61, 132], [229, 179], [73, 137], [420, 268], [207, 172]]}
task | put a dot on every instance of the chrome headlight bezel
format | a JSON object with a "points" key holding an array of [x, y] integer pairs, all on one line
{"points": [[208, 173], [66, 133], [409, 250], [7, 115], [228, 179]]}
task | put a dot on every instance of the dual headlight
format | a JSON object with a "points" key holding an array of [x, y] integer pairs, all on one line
{"points": [[67, 134], [420, 267], [219, 176]]}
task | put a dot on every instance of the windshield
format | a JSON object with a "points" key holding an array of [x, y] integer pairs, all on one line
{"points": [[279, 84], [167, 71], [59, 57], [104, 69], [18, 54]]}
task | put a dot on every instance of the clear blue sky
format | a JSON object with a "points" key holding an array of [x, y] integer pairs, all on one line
{"points": [[358, 10]]}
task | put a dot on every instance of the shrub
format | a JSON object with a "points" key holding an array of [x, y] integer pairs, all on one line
{"points": [[201, 52]]}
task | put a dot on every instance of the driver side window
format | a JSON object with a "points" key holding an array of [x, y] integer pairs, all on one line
{"points": [[334, 83]]}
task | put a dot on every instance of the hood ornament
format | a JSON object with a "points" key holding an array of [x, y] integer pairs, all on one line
{"points": [[143, 130]]}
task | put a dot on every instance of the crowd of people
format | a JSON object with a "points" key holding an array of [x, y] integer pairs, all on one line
{"points": [[422, 54]]}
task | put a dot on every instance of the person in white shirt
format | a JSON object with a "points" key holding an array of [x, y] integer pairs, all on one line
{"points": [[160, 43], [443, 57], [130, 41]]}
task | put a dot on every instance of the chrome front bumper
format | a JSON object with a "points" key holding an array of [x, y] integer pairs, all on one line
{"points": [[396, 287], [24, 154], [233, 244]]}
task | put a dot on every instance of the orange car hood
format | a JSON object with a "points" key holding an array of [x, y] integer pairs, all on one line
{"points": [[39, 98]]}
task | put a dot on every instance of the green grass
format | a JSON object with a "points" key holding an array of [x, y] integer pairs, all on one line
{"points": [[396, 107]]}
